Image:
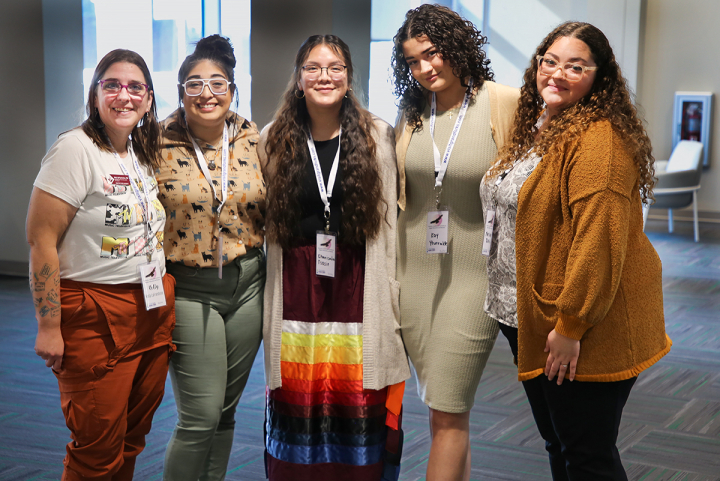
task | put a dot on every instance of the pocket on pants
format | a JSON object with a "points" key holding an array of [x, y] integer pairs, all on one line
{"points": [[77, 401]]}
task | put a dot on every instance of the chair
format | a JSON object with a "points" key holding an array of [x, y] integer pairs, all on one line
{"points": [[678, 181]]}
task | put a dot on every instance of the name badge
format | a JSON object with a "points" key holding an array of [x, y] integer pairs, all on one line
{"points": [[487, 238], [437, 231], [120, 179], [325, 254], [153, 289]]}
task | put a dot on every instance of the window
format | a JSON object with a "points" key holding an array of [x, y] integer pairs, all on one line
{"points": [[164, 33]]}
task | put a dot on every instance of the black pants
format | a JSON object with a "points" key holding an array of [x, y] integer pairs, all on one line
{"points": [[579, 422]]}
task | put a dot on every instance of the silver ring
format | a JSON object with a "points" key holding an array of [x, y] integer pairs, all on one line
{"points": [[563, 365]]}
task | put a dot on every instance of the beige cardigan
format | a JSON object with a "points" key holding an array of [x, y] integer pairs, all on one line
{"points": [[503, 103], [384, 359]]}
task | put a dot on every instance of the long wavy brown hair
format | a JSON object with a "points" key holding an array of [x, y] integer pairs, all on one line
{"points": [[286, 149], [609, 99], [458, 41], [146, 135]]}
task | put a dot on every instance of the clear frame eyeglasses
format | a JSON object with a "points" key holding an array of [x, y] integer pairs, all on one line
{"points": [[335, 72], [113, 87], [571, 71], [195, 87]]}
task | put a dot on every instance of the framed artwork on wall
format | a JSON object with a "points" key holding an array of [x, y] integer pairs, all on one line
{"points": [[691, 120]]}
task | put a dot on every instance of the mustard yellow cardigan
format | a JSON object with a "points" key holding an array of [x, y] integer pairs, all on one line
{"points": [[584, 265]]}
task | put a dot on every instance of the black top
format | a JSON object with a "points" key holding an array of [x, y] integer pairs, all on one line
{"points": [[312, 217]]}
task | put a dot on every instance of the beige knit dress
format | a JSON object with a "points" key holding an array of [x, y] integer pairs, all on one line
{"points": [[447, 334]]}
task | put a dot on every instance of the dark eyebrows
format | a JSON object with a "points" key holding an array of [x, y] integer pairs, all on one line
{"points": [[315, 64], [423, 52], [215, 75], [130, 82]]}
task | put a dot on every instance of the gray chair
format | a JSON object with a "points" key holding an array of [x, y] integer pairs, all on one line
{"points": [[678, 181]]}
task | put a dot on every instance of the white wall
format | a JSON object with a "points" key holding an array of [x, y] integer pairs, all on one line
{"points": [[517, 27], [681, 42]]}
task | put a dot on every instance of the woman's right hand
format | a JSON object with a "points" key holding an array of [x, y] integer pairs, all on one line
{"points": [[49, 345]]}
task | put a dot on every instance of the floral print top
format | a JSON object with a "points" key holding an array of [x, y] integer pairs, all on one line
{"points": [[501, 300]]}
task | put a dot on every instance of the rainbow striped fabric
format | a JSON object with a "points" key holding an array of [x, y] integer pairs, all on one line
{"points": [[322, 424]]}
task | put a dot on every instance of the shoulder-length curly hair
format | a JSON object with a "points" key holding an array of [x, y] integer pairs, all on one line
{"points": [[609, 99], [145, 136], [458, 42], [286, 149]]}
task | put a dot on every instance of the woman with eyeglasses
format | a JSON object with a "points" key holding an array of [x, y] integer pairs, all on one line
{"points": [[575, 284], [103, 303], [214, 195], [453, 120], [334, 359]]}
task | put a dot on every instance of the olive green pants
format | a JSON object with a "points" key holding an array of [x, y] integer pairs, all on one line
{"points": [[217, 334]]}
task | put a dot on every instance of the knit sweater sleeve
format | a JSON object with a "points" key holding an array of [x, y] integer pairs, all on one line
{"points": [[599, 179]]}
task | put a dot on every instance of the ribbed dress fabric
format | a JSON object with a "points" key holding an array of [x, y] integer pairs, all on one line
{"points": [[447, 334]]}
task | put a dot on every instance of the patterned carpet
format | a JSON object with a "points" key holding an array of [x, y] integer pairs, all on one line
{"points": [[670, 430]]}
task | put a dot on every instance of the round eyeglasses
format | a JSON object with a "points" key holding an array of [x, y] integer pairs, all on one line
{"points": [[571, 71], [113, 87], [335, 72], [195, 87]]}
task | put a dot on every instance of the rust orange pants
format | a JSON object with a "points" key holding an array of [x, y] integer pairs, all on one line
{"points": [[113, 375]]}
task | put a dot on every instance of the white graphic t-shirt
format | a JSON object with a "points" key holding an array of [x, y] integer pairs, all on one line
{"points": [[105, 242]]}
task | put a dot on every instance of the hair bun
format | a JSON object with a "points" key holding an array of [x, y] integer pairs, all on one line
{"points": [[216, 46]]}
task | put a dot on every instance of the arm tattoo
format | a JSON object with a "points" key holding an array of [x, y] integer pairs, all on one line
{"points": [[46, 281]]}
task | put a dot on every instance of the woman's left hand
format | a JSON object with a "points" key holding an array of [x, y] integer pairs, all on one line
{"points": [[562, 358]]}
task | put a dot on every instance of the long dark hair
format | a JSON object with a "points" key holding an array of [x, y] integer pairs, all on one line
{"points": [[458, 42], [219, 51], [146, 135], [286, 147], [609, 99]]}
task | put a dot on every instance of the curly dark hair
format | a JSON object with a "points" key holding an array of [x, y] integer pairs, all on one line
{"points": [[286, 149], [145, 136], [609, 99], [458, 41]]}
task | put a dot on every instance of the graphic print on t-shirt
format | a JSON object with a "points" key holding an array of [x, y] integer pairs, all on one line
{"points": [[115, 247], [118, 215]]}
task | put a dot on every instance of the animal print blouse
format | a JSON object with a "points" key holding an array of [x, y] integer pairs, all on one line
{"points": [[191, 231]]}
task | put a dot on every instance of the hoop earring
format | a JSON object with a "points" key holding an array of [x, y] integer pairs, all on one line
{"points": [[299, 96], [346, 92]]}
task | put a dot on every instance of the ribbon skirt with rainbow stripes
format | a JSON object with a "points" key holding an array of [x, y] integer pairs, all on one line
{"points": [[321, 424]]}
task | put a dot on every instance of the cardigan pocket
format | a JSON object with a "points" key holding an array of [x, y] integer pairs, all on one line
{"points": [[545, 308]]}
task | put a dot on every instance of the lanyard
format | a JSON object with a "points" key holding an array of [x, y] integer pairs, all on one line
{"points": [[441, 165], [144, 202], [325, 192], [223, 173], [223, 181]]}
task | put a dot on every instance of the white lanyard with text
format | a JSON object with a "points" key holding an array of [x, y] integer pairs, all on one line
{"points": [[438, 220], [144, 201], [325, 241], [224, 185], [150, 277]]}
